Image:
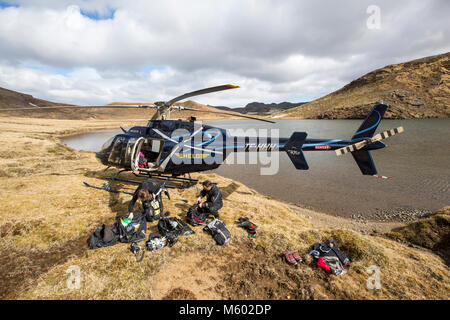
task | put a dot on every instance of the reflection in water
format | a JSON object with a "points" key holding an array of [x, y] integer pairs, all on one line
{"points": [[418, 161]]}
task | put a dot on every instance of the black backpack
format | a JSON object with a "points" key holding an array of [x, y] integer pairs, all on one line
{"points": [[194, 218], [219, 231], [104, 236], [133, 231], [173, 227]]}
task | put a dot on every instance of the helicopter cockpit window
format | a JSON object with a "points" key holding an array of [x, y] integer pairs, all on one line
{"points": [[107, 144], [117, 150]]}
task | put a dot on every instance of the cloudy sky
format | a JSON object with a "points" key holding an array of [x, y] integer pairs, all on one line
{"points": [[92, 52]]}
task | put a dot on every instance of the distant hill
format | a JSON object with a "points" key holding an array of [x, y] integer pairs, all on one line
{"points": [[415, 89], [12, 99], [201, 115], [259, 108]]}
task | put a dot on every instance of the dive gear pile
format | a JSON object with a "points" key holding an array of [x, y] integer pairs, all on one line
{"points": [[135, 249], [125, 230], [330, 258], [173, 227], [132, 230], [219, 231], [246, 224], [155, 242], [194, 217], [104, 236]]}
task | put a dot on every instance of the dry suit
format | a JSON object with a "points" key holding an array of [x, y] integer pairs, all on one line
{"points": [[152, 208], [213, 201]]}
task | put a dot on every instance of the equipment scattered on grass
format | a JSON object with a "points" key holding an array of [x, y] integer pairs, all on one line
{"points": [[155, 242], [330, 258], [132, 230], [135, 249], [173, 227], [194, 217], [125, 230], [246, 224], [292, 257], [104, 236], [219, 231]]}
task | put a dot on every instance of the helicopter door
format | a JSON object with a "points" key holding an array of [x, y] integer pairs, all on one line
{"points": [[130, 147], [135, 154], [146, 154]]}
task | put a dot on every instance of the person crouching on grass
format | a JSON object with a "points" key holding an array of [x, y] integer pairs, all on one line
{"points": [[213, 199]]}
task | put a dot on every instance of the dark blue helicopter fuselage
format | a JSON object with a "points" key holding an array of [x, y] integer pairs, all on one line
{"points": [[207, 149]]}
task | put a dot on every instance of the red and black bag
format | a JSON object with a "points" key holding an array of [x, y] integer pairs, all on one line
{"points": [[194, 217]]}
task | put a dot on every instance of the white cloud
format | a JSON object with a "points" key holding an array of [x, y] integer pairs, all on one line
{"points": [[151, 50]]}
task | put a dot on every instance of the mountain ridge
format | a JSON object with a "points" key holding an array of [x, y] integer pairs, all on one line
{"points": [[414, 89], [260, 108]]}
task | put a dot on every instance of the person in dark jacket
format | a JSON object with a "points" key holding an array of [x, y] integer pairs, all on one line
{"points": [[213, 199], [151, 201]]}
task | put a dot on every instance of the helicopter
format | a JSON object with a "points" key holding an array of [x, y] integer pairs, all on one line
{"points": [[168, 149]]}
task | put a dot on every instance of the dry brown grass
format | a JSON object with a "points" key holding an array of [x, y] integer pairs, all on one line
{"points": [[47, 215]]}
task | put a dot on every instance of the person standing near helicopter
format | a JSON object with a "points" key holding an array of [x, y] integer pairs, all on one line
{"points": [[149, 193]]}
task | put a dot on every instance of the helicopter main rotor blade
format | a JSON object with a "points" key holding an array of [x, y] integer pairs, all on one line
{"points": [[227, 113], [199, 92], [82, 107]]}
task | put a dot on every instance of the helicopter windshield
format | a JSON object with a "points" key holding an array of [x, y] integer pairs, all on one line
{"points": [[107, 144]]}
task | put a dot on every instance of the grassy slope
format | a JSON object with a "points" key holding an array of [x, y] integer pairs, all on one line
{"points": [[47, 215], [432, 233], [415, 89]]}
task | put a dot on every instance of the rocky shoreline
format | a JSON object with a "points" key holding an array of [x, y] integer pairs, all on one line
{"points": [[404, 215]]}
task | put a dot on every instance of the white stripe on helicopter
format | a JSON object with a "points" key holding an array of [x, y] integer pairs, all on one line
{"points": [[178, 146]]}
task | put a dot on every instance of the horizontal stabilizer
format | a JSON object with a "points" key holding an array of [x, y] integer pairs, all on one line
{"points": [[386, 134], [362, 144], [294, 150]]}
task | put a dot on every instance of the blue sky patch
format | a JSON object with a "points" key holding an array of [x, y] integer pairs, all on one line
{"points": [[95, 15], [42, 67], [7, 4]]}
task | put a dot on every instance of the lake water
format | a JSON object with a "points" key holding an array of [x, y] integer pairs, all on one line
{"points": [[418, 161]]}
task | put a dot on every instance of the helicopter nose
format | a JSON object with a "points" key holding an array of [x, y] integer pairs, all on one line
{"points": [[102, 157]]}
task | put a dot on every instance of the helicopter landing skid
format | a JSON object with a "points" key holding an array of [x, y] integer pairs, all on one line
{"points": [[109, 190], [107, 186], [176, 182]]}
